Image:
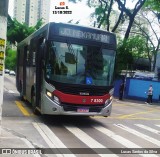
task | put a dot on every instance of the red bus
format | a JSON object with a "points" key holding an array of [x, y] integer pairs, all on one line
{"points": [[66, 69]]}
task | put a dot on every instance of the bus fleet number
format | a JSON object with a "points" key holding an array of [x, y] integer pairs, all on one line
{"points": [[96, 100]]}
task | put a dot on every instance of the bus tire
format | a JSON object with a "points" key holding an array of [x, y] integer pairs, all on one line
{"points": [[33, 102]]}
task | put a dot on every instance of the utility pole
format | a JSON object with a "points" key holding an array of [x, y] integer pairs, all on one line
{"points": [[3, 32]]}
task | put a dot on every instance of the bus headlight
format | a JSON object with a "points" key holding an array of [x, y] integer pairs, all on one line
{"points": [[53, 97], [108, 101], [49, 94]]}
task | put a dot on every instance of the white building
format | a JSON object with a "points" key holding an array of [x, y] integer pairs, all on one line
{"points": [[30, 11], [19, 10]]}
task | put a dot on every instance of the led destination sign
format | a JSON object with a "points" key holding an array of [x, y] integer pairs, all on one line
{"points": [[84, 35]]}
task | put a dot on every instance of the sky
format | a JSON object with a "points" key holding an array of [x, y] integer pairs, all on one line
{"points": [[80, 11]]}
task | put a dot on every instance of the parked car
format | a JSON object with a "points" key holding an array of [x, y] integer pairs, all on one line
{"points": [[12, 73], [6, 71], [145, 75]]}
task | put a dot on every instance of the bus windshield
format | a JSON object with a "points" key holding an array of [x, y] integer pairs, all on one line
{"points": [[79, 64]]}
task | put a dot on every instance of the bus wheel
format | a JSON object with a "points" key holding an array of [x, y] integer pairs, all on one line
{"points": [[33, 102]]}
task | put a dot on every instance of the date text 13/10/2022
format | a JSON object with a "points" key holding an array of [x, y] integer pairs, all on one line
{"points": [[62, 9]]}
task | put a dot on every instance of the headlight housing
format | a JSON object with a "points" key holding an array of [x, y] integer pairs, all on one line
{"points": [[56, 99], [53, 97], [111, 91], [108, 101]]}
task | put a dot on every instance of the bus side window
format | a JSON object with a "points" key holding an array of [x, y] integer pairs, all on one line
{"points": [[21, 55], [33, 53], [26, 55]]}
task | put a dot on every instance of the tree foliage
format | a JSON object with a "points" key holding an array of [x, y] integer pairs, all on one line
{"points": [[153, 5], [151, 37], [104, 12], [134, 47], [16, 31], [130, 13], [10, 59]]}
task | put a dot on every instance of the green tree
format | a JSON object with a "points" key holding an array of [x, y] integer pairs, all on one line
{"points": [[16, 31], [130, 13], [10, 59], [133, 48], [102, 15], [153, 5], [152, 38]]}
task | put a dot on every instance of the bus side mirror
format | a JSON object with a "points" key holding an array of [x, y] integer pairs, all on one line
{"points": [[70, 58]]}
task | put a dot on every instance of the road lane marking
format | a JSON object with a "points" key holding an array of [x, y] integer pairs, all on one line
{"points": [[143, 136], [51, 139], [125, 142], [86, 139], [129, 118], [117, 105], [135, 118], [137, 113], [10, 91], [127, 103], [148, 128], [22, 109]]}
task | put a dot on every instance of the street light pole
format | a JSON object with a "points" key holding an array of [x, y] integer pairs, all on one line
{"points": [[3, 32]]}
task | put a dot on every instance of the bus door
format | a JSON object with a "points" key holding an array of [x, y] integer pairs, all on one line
{"points": [[24, 69], [39, 71]]}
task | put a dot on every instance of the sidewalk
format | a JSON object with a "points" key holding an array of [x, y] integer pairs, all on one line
{"points": [[12, 145], [134, 101]]}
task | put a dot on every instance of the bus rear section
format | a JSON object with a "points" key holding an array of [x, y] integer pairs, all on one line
{"points": [[74, 73]]}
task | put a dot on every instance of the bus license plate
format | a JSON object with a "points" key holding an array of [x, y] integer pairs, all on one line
{"points": [[83, 110]]}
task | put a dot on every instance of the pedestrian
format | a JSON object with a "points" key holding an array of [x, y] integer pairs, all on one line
{"points": [[150, 94], [121, 91]]}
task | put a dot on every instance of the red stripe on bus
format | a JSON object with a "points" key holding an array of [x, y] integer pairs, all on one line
{"points": [[78, 99]]}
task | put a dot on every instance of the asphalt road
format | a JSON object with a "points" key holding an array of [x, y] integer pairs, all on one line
{"points": [[131, 125]]}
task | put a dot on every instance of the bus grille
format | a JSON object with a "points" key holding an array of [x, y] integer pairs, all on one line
{"points": [[92, 108]]}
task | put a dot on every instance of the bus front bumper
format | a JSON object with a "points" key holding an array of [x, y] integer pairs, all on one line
{"points": [[52, 108]]}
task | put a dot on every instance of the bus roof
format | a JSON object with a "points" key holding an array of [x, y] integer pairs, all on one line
{"points": [[83, 26], [49, 25]]}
